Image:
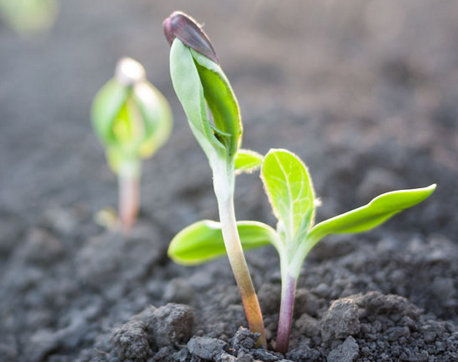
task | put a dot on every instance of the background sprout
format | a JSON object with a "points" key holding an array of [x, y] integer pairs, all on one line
{"points": [[290, 190], [133, 120], [203, 88], [28, 16]]}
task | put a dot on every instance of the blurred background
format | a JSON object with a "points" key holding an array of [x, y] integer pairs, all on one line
{"points": [[366, 92]]}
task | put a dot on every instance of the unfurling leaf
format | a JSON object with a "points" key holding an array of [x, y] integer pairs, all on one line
{"points": [[206, 88]]}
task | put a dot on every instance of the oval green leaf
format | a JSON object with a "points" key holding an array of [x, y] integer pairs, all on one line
{"points": [[203, 241], [290, 191]]}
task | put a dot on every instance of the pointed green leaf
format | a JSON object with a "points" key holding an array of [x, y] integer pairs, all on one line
{"points": [[203, 241], [247, 161], [290, 190], [371, 215]]}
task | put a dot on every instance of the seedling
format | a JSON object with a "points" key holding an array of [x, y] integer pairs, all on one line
{"points": [[206, 95], [133, 120], [290, 190], [29, 16]]}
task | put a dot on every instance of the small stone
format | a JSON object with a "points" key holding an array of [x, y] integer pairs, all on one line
{"points": [[244, 357], [181, 356], [265, 356], [131, 341], [206, 348], [429, 333], [163, 353], [346, 352], [226, 357], [244, 338], [171, 323], [303, 353], [376, 303], [395, 333], [341, 320]]}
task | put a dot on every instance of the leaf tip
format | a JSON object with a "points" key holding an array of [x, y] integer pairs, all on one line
{"points": [[182, 26]]}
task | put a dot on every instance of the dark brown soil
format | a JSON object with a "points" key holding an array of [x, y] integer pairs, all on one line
{"points": [[364, 92]]}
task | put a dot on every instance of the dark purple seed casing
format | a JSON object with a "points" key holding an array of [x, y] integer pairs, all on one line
{"points": [[181, 26]]}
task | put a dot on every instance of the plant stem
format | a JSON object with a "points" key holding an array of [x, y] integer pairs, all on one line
{"points": [[224, 190], [129, 200], [288, 290]]}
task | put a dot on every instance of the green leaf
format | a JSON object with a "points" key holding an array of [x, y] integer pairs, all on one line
{"points": [[221, 101], [105, 109], [371, 215], [187, 85], [200, 84], [290, 191], [247, 161], [157, 118], [203, 241]]}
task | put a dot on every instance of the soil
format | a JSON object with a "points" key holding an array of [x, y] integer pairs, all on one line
{"points": [[364, 92]]}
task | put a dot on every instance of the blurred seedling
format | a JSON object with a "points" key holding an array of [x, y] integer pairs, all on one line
{"points": [[133, 120], [29, 16], [214, 117], [290, 191]]}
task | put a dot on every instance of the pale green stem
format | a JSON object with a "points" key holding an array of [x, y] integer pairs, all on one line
{"points": [[224, 190]]}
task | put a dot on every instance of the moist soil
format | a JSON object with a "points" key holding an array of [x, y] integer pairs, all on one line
{"points": [[364, 93]]}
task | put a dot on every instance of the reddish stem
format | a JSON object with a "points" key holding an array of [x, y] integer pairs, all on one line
{"points": [[129, 200], [286, 313]]}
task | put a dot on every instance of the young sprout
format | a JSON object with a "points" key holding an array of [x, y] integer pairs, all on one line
{"points": [[206, 95], [290, 190], [29, 16], [133, 120]]}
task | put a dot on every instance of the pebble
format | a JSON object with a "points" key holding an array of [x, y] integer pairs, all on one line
{"points": [[341, 320], [206, 348], [346, 352]]}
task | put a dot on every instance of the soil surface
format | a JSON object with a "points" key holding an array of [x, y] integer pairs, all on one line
{"points": [[366, 93]]}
